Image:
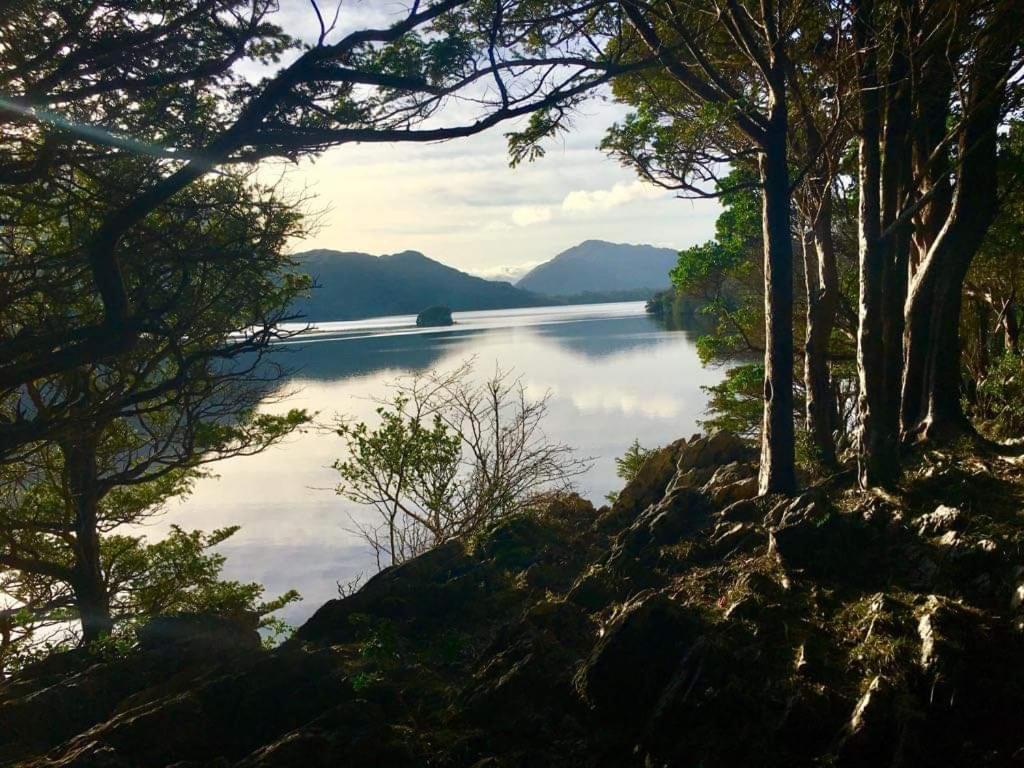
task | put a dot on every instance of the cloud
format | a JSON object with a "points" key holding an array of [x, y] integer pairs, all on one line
{"points": [[529, 215], [508, 272], [601, 400], [597, 200], [583, 203]]}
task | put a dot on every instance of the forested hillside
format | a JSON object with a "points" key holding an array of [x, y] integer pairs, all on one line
{"points": [[349, 286], [595, 266]]}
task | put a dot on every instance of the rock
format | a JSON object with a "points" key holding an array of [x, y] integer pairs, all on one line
{"points": [[434, 316], [728, 538], [732, 482], [530, 661], [732, 472], [646, 488], [743, 511], [875, 734], [947, 632], [641, 649], [682, 512], [715, 450], [433, 589], [200, 633], [943, 520], [594, 590], [739, 491], [1017, 598], [825, 543], [516, 543]]}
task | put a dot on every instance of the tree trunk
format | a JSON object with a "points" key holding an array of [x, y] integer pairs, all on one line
{"points": [[931, 378], [877, 454], [1011, 327], [983, 314], [778, 459], [822, 286], [88, 582], [931, 381]]}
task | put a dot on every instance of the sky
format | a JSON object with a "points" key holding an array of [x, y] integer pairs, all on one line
{"points": [[459, 202]]}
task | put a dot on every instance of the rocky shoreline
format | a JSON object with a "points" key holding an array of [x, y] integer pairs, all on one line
{"points": [[688, 624]]}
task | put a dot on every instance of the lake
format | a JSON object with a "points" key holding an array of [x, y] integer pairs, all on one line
{"points": [[613, 374]]}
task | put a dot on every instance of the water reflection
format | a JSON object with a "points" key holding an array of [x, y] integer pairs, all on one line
{"points": [[613, 373]]}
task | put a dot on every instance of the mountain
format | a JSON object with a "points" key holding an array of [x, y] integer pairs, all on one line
{"points": [[595, 266], [357, 285]]}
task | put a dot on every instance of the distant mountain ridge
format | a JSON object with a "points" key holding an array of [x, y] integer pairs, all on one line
{"points": [[597, 266], [353, 285]]}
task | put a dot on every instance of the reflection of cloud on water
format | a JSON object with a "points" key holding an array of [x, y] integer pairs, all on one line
{"points": [[536, 391], [602, 400]]}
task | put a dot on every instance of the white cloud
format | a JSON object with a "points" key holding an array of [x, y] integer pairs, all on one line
{"points": [[598, 200], [610, 400], [528, 215], [509, 272], [583, 203]]}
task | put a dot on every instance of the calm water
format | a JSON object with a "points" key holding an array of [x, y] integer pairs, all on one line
{"points": [[613, 373]]}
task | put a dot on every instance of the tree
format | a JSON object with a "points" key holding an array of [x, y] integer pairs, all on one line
{"points": [[149, 104], [449, 457], [141, 424], [722, 97], [178, 574], [928, 125]]}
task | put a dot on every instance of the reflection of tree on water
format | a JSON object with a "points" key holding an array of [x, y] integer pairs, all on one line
{"points": [[344, 357]]}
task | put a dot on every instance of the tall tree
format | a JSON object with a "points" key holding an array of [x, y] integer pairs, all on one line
{"points": [[725, 67], [930, 406]]}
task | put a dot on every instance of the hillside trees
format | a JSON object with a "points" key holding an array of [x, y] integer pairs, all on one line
{"points": [[924, 89]]}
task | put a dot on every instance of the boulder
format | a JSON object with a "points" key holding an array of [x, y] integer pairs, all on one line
{"points": [[683, 511], [526, 673], [877, 730], [200, 633], [639, 652], [434, 588], [646, 488], [713, 451], [943, 520]]}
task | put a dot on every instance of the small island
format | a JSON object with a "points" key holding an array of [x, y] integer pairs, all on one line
{"points": [[434, 316]]}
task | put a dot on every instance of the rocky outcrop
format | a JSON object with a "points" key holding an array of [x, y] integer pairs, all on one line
{"points": [[692, 623]]}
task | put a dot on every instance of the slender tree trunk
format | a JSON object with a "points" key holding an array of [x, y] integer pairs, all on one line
{"points": [[822, 286], [1011, 327], [983, 314], [778, 460], [877, 454], [896, 181], [88, 583]]}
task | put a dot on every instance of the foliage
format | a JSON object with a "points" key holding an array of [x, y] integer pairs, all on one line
{"points": [[998, 404], [725, 273], [180, 573], [734, 404], [447, 457], [628, 465]]}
